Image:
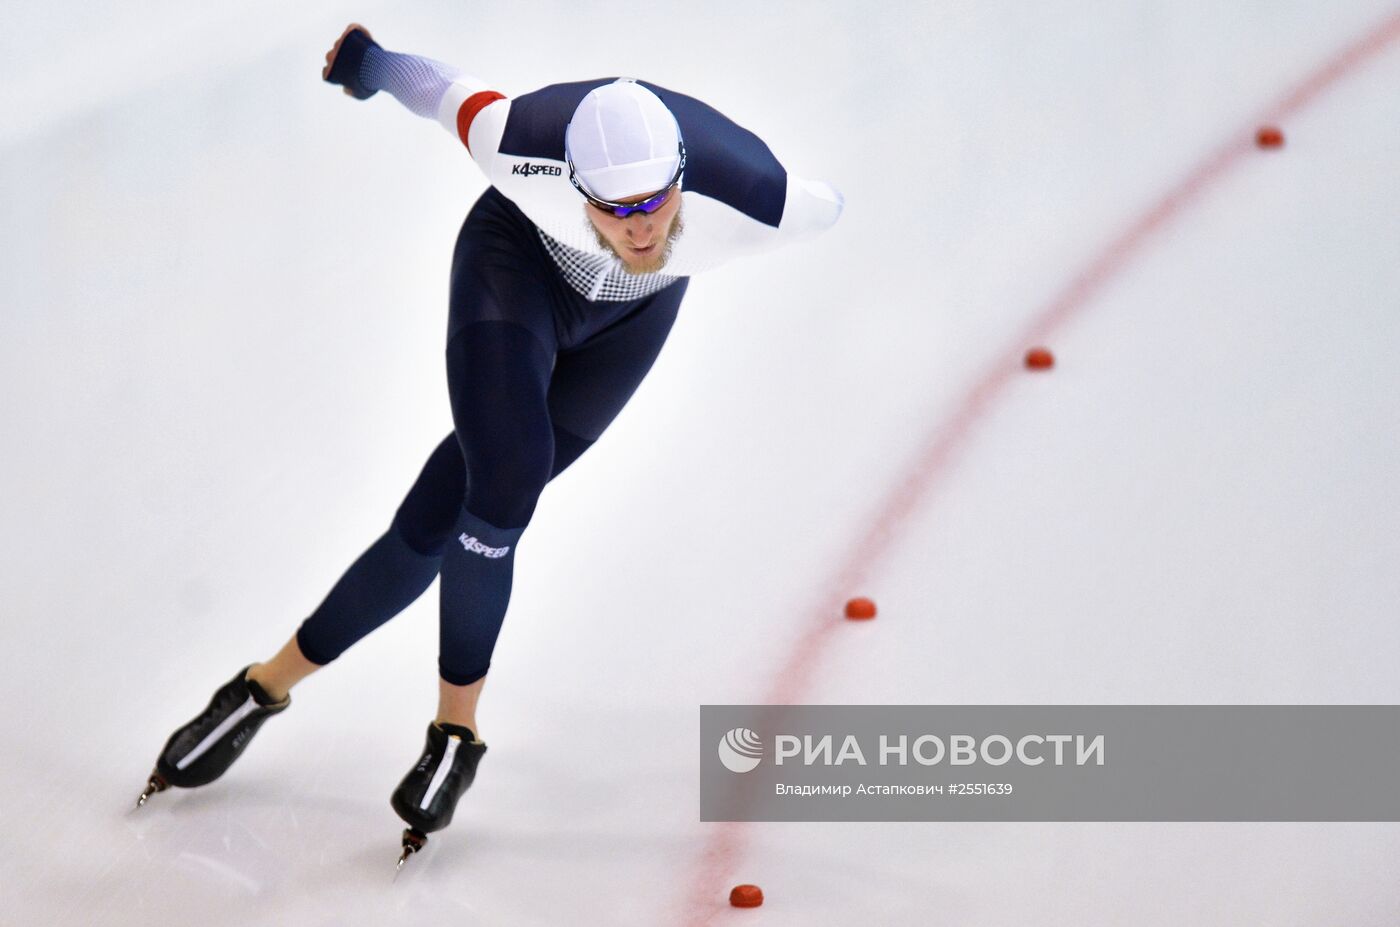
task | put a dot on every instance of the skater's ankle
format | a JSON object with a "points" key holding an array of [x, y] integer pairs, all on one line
{"points": [[272, 687], [277, 676], [452, 726]]}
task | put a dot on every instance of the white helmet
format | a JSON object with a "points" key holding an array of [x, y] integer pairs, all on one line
{"points": [[623, 141]]}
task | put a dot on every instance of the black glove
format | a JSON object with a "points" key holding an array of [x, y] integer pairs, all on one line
{"points": [[343, 61]]}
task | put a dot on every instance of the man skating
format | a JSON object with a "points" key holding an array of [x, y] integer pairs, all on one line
{"points": [[606, 196]]}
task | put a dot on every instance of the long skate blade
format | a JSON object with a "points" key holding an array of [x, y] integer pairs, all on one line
{"points": [[153, 785], [413, 841]]}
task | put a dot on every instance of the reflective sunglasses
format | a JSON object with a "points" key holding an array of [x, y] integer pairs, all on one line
{"points": [[622, 210]]}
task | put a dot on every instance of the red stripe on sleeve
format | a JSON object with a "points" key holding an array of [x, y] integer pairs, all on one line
{"points": [[468, 110]]}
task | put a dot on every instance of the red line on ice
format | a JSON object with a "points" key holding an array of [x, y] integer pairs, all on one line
{"points": [[709, 882]]}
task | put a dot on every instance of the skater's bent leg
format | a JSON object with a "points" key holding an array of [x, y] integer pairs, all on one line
{"points": [[278, 675], [540, 415], [498, 377]]}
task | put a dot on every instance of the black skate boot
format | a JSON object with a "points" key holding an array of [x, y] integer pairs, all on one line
{"points": [[427, 796], [203, 749]]}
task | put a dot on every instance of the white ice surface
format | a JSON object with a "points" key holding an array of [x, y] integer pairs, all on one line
{"points": [[221, 365]]}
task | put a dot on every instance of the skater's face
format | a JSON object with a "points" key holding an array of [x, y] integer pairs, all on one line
{"points": [[642, 241]]}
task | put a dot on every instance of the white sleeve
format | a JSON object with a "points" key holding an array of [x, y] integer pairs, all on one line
{"points": [[811, 206]]}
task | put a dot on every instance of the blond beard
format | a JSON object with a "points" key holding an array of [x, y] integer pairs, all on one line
{"points": [[677, 226]]}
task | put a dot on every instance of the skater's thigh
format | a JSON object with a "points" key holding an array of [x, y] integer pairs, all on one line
{"points": [[500, 274], [498, 380], [592, 382], [500, 351]]}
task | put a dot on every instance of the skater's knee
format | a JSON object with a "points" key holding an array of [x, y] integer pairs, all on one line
{"points": [[423, 536], [507, 512], [506, 468], [424, 519], [505, 496]]}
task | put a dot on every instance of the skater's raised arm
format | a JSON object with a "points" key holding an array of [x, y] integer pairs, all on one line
{"points": [[426, 87]]}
